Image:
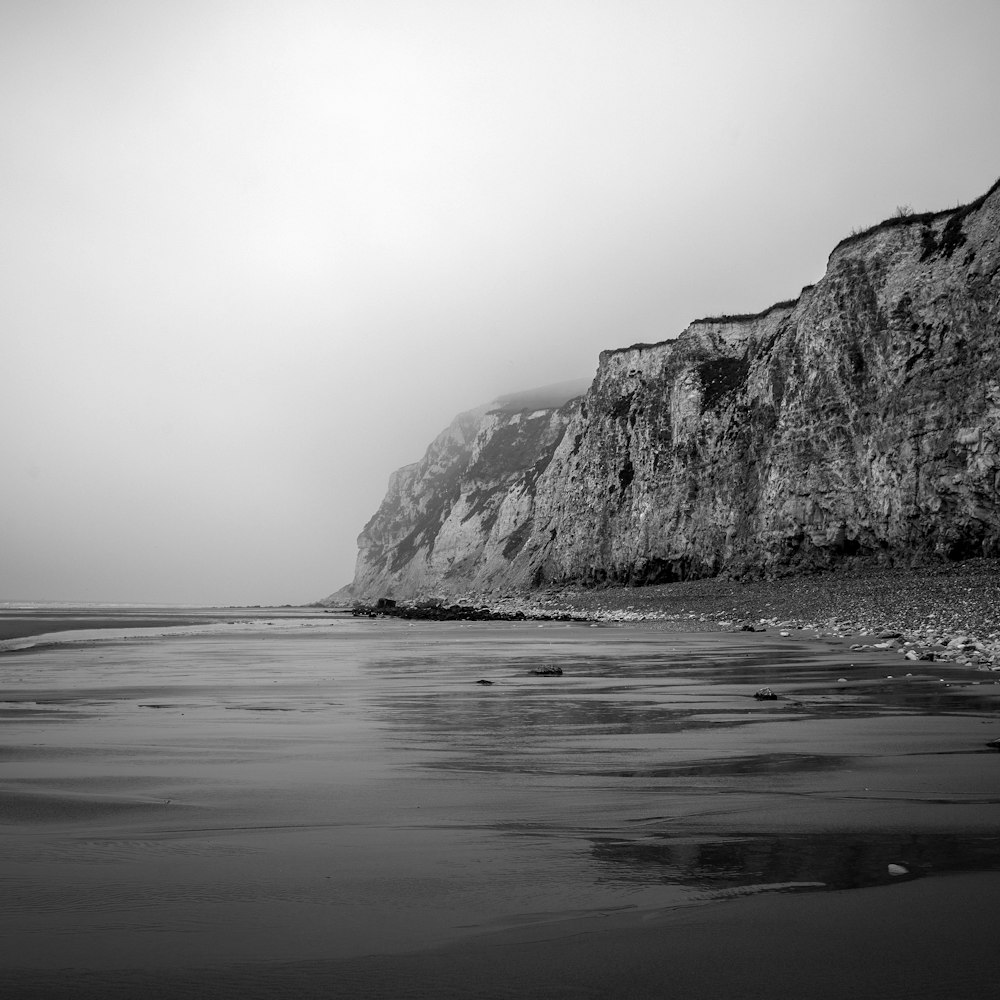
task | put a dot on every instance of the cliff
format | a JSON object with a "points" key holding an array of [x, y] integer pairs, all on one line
{"points": [[450, 521], [860, 420]]}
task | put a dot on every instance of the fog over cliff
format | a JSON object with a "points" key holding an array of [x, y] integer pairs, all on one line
{"points": [[256, 256]]}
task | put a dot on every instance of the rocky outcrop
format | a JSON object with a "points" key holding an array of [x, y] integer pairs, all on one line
{"points": [[860, 420], [454, 519]]}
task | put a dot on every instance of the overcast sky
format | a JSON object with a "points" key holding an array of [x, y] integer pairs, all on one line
{"points": [[255, 255]]}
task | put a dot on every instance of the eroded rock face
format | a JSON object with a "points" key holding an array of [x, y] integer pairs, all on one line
{"points": [[861, 419], [456, 519]]}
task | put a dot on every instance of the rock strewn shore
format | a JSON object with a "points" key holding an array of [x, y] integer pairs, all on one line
{"points": [[947, 612], [441, 612]]}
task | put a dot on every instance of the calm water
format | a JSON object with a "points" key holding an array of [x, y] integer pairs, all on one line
{"points": [[330, 789]]}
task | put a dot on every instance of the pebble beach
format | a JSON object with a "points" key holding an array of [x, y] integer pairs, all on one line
{"points": [[941, 612]]}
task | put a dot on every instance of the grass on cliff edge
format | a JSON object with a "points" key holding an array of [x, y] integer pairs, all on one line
{"points": [[909, 218]]}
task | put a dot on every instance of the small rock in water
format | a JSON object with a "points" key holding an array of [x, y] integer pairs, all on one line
{"points": [[898, 870], [483, 680], [765, 694]]}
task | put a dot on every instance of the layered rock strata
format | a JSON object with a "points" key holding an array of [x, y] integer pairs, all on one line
{"points": [[860, 420]]}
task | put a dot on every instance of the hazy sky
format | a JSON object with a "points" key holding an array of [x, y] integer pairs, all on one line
{"points": [[255, 255]]}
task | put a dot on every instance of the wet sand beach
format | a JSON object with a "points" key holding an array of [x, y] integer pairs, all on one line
{"points": [[335, 807], [22, 621]]}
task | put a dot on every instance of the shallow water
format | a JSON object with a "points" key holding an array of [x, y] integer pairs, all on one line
{"points": [[334, 789]]}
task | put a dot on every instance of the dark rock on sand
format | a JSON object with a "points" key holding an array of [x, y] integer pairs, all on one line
{"points": [[437, 612]]}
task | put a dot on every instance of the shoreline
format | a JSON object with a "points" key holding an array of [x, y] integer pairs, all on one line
{"points": [[23, 622], [942, 613]]}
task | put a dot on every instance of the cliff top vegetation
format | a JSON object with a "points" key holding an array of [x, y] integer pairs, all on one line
{"points": [[905, 217], [727, 318]]}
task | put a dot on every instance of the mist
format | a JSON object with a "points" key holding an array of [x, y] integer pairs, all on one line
{"points": [[256, 255]]}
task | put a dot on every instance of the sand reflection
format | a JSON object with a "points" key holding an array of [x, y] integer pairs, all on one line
{"points": [[349, 789]]}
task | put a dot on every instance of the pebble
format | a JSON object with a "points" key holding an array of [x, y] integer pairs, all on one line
{"points": [[948, 611]]}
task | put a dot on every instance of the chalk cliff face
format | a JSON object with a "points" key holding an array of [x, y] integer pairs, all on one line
{"points": [[455, 518], [862, 419]]}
